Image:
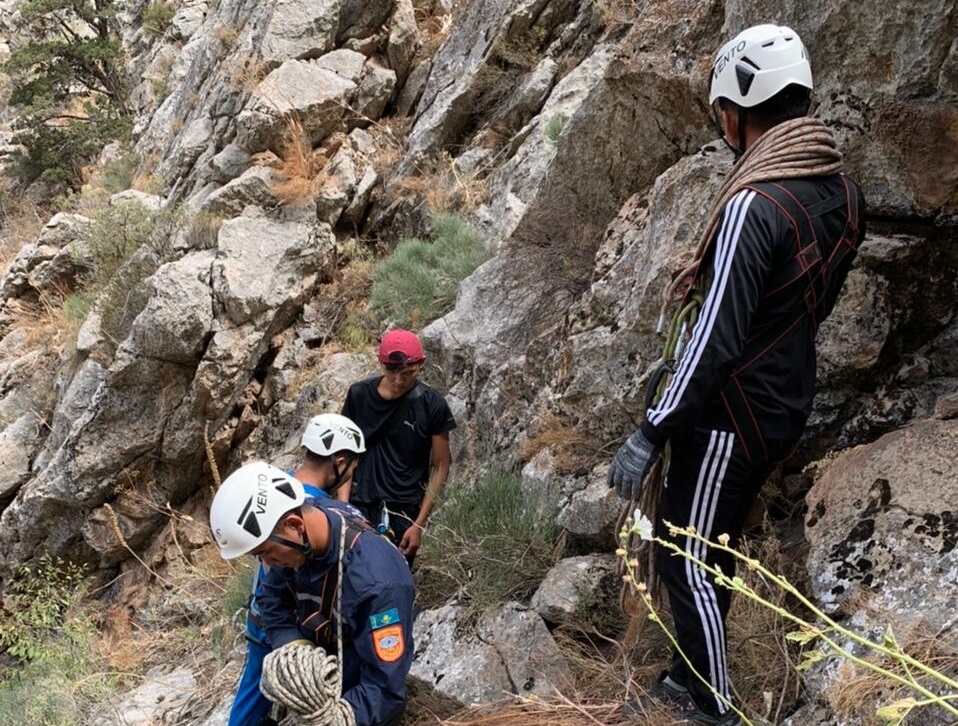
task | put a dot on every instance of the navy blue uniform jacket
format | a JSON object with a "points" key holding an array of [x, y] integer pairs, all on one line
{"points": [[378, 595]]}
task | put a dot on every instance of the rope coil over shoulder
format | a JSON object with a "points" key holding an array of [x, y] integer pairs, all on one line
{"points": [[799, 148]]}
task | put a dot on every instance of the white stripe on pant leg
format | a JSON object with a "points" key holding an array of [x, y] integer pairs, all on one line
{"points": [[706, 531], [707, 620], [706, 515], [705, 500]]}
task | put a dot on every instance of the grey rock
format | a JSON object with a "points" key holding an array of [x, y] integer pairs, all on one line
{"points": [[229, 163], [511, 652], [187, 21], [251, 188], [879, 517], [312, 93], [574, 588], [347, 64], [592, 512], [300, 30], [160, 692], [17, 443], [361, 18], [403, 40], [178, 318], [148, 201], [375, 91]]}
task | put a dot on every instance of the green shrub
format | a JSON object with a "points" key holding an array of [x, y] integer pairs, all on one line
{"points": [[419, 281], [490, 541], [58, 676], [555, 126], [157, 16], [37, 599], [76, 306], [124, 245], [69, 87]]}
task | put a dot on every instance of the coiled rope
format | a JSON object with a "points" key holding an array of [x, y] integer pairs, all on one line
{"points": [[799, 148], [307, 681]]}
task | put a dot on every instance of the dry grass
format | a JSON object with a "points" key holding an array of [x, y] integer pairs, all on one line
{"points": [[857, 692], [434, 23], [245, 72], [444, 187], [21, 220], [762, 662], [300, 165], [570, 446], [44, 323]]}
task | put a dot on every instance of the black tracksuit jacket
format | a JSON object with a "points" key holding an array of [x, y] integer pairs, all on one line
{"points": [[773, 280]]}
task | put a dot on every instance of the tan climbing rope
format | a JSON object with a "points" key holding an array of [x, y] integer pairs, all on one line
{"points": [[308, 682], [798, 148]]}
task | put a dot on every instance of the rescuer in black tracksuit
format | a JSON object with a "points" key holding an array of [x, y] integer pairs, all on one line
{"points": [[742, 390], [756, 337]]}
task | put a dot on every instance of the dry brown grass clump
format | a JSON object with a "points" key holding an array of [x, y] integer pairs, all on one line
{"points": [[443, 187], [21, 220], [300, 166], [857, 692], [571, 447]]}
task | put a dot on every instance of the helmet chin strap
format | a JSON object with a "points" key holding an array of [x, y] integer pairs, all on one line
{"points": [[304, 547], [338, 476]]}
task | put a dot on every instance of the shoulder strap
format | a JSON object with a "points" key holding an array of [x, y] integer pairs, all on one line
{"points": [[812, 267]]}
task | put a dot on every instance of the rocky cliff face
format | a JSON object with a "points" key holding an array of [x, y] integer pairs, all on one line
{"points": [[584, 126]]}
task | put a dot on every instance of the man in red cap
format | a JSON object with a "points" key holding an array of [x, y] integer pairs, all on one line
{"points": [[406, 424]]}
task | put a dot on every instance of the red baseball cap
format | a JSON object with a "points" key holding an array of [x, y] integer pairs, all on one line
{"points": [[401, 347]]}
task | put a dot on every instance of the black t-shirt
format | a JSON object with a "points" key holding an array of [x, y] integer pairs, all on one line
{"points": [[395, 467]]}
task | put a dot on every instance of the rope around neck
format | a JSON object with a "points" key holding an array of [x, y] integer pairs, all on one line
{"points": [[801, 147]]}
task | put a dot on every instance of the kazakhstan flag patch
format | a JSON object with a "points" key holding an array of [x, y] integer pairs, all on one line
{"points": [[381, 620]]}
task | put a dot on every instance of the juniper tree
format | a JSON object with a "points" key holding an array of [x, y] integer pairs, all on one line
{"points": [[68, 86]]}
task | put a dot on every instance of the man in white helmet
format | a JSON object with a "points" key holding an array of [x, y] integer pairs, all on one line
{"points": [[331, 445], [333, 582], [782, 236]]}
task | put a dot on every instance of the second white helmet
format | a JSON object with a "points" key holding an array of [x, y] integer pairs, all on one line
{"points": [[758, 63], [248, 506], [330, 433]]}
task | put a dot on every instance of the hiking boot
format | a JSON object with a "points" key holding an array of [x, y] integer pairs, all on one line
{"points": [[667, 694]]}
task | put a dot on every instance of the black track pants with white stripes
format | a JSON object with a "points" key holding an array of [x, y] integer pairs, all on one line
{"points": [[711, 486]]}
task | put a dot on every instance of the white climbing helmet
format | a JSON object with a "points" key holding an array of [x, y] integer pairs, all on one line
{"points": [[248, 506], [758, 63], [330, 433]]}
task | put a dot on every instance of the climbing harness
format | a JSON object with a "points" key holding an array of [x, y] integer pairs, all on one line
{"points": [[799, 148]]}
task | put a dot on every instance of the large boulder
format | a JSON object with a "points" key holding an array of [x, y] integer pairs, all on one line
{"points": [[509, 653], [881, 518]]}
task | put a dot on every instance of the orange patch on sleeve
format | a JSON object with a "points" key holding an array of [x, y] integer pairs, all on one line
{"points": [[388, 643]]}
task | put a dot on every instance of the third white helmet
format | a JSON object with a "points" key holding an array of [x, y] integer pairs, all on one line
{"points": [[330, 433], [758, 63]]}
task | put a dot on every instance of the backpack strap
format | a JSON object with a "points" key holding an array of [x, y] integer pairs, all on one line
{"points": [[321, 621]]}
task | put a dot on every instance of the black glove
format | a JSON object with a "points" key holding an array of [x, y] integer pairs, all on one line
{"points": [[631, 465]]}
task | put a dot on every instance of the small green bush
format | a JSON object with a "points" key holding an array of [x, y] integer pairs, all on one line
{"points": [[490, 541], [76, 306], [419, 281], [124, 245], [38, 597], [555, 126], [57, 679], [157, 16]]}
